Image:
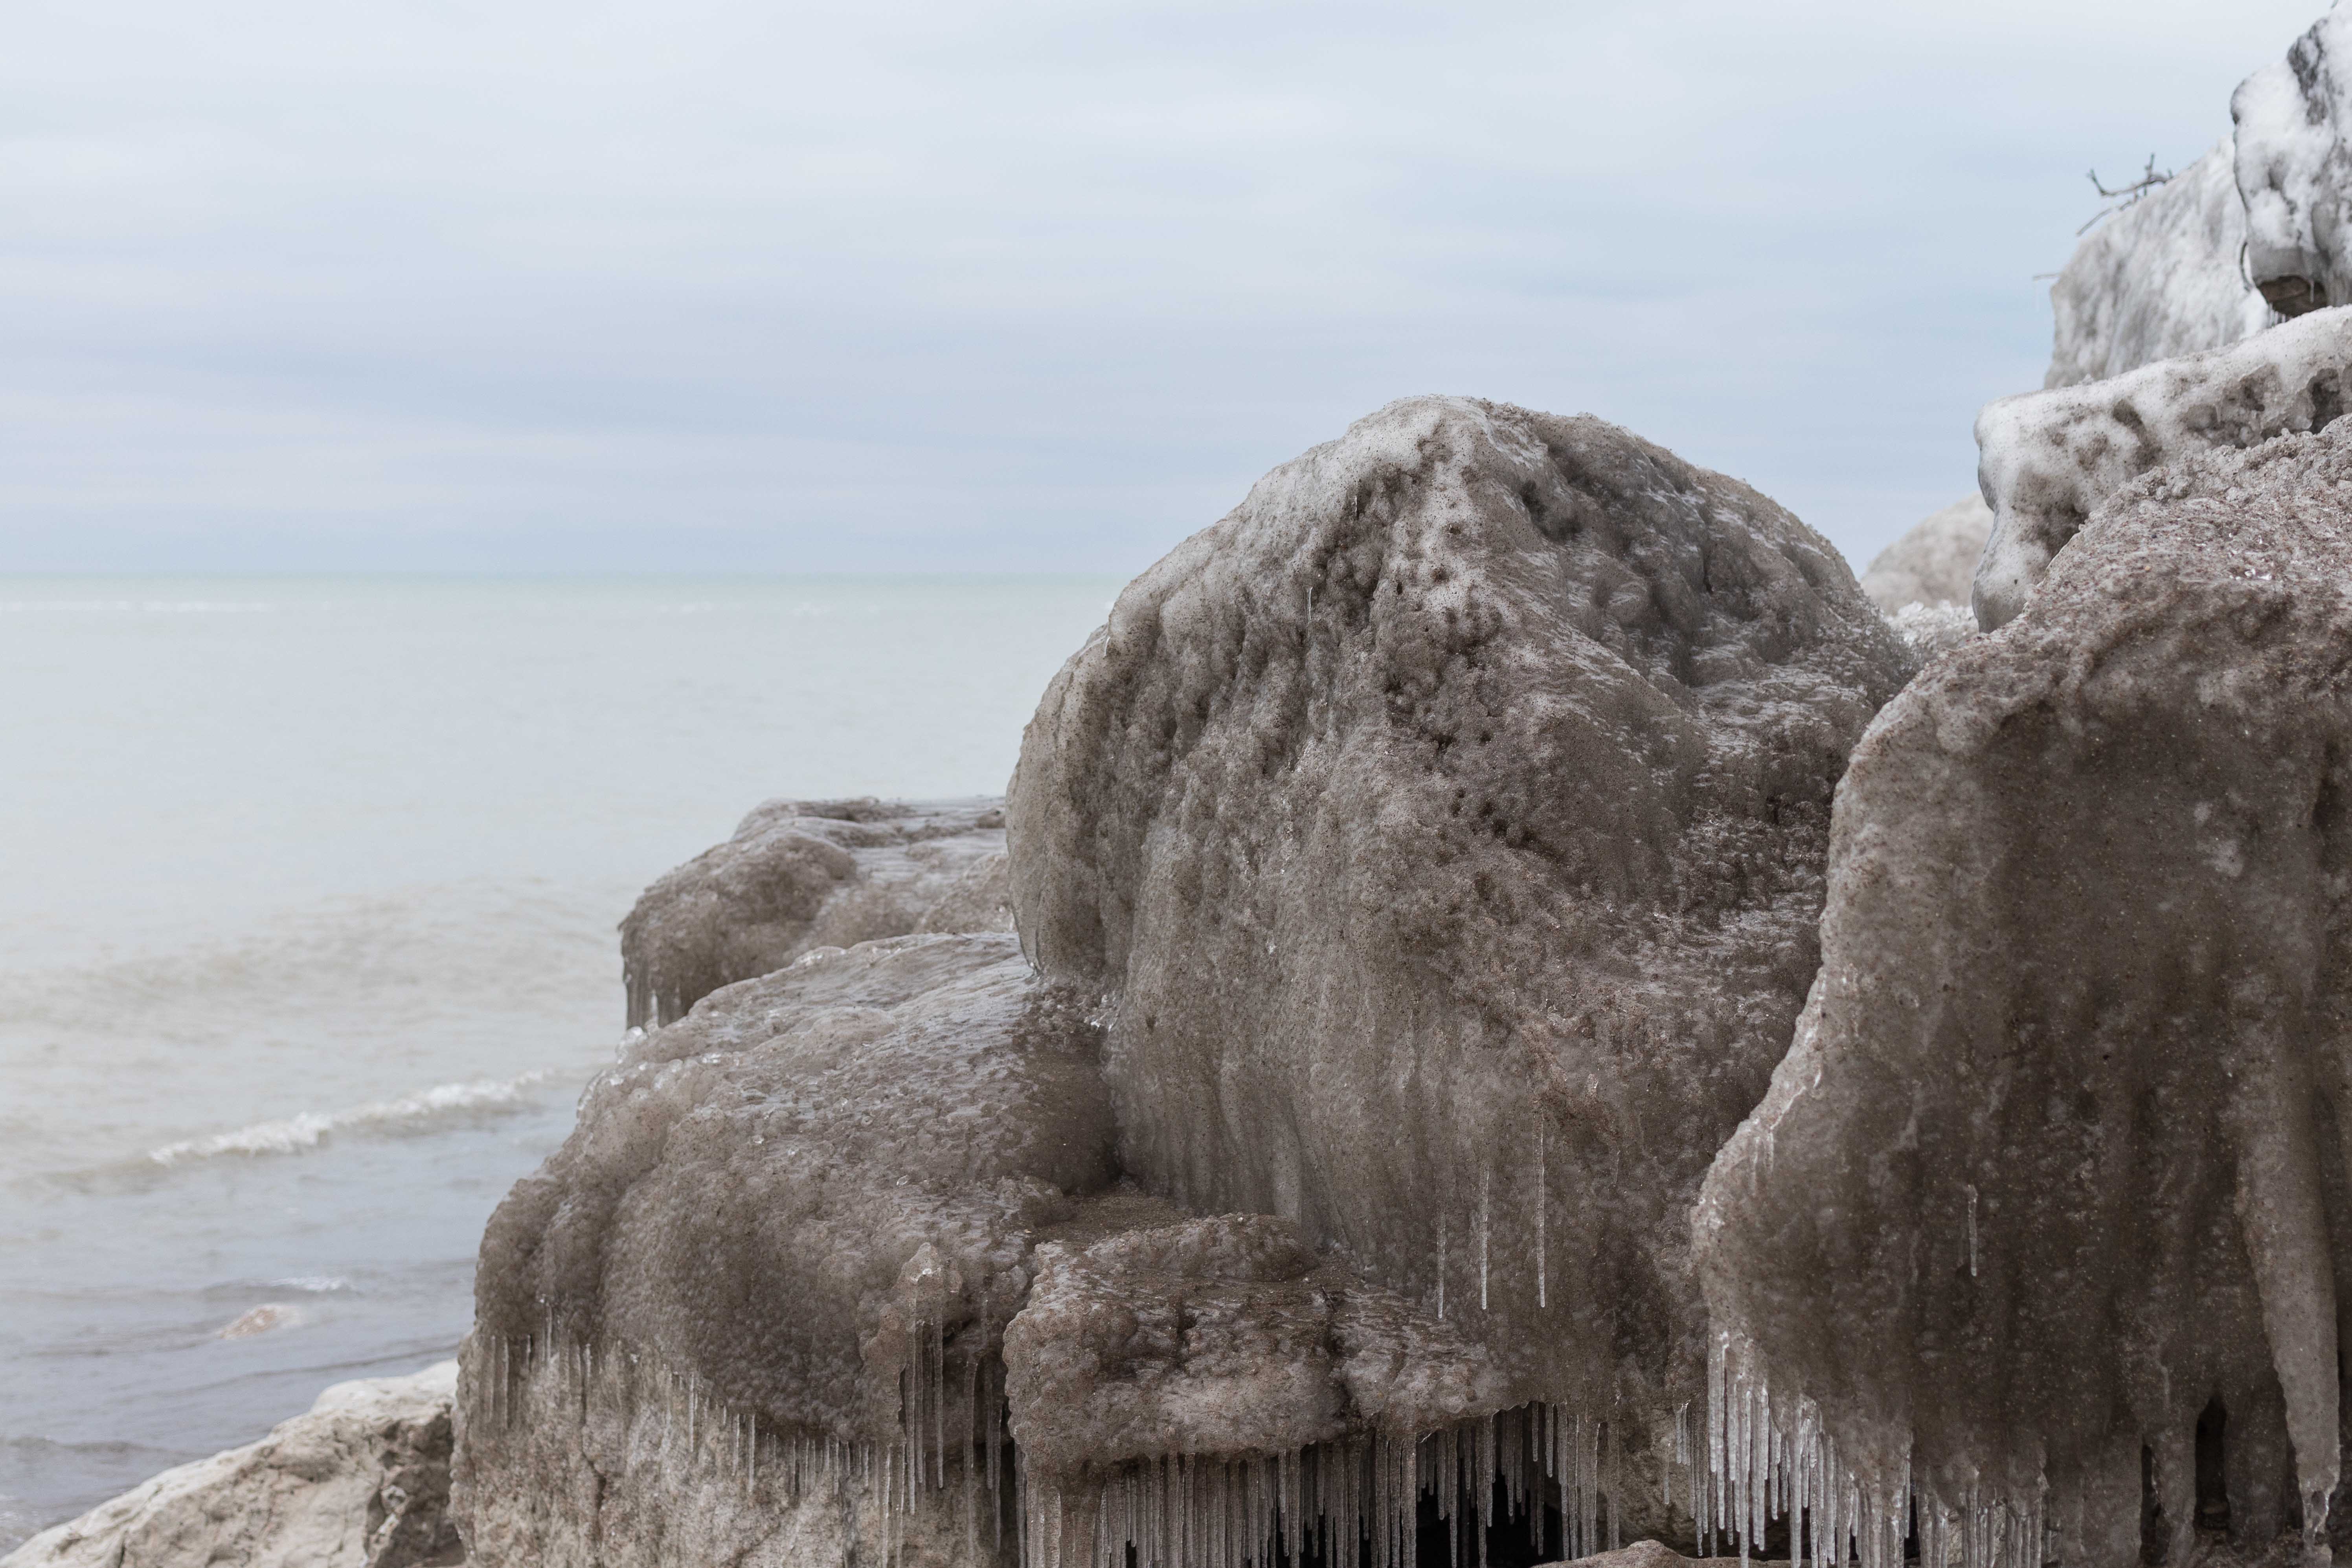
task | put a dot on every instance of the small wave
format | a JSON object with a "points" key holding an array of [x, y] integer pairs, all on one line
{"points": [[313, 1284], [307, 1129]]}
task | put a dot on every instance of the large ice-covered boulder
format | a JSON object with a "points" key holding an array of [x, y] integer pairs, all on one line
{"points": [[2054, 1173], [359, 1481], [2164, 276], [2294, 172], [2046, 460], [804, 874], [1444, 829]]}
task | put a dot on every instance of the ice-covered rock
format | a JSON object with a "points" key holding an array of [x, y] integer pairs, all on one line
{"points": [[756, 1303], [2164, 276], [361, 1480], [1934, 562], [1445, 829], [2046, 460], [2294, 172], [2055, 1174], [805, 874]]}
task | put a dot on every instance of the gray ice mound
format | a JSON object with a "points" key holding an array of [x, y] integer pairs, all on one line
{"points": [[2050, 1190], [1444, 829], [804, 874], [2166, 277], [2046, 460]]}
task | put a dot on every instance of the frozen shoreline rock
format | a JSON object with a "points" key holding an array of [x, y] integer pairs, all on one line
{"points": [[804, 874], [2163, 278], [361, 1480], [1446, 828], [2046, 460], [2055, 1174]]}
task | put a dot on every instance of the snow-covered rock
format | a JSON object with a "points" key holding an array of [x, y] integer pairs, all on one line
{"points": [[361, 1480], [805, 874], [2057, 1158], [2294, 172], [2046, 460], [2163, 278]]}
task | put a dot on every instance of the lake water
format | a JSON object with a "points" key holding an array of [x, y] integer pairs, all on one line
{"points": [[307, 935]]}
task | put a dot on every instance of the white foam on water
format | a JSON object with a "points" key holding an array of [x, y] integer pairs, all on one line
{"points": [[309, 1129]]}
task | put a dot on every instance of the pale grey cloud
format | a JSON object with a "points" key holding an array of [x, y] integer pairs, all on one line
{"points": [[1032, 285]]}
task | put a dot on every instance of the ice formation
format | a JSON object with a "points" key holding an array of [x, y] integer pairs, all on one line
{"points": [[2164, 276], [1933, 562], [1444, 829], [2295, 172], [792, 1225], [1430, 853], [2048, 1202], [2046, 460], [804, 874]]}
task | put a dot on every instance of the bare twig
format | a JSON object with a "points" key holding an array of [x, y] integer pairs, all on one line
{"points": [[2123, 197]]}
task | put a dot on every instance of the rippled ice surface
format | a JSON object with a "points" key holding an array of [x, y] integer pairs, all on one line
{"points": [[306, 937]]}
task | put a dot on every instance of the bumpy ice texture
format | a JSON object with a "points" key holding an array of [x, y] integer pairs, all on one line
{"points": [[2056, 1166], [756, 1303], [804, 874], [2164, 276], [2295, 172], [1446, 828], [2045, 459]]}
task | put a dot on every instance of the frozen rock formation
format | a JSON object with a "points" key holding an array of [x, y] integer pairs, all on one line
{"points": [[804, 874], [756, 1303], [2295, 172], [361, 1481], [2053, 1176], [1934, 561], [2164, 276], [1920, 583], [1446, 828], [2045, 459]]}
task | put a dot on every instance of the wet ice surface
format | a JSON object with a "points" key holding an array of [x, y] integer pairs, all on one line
{"points": [[313, 887]]}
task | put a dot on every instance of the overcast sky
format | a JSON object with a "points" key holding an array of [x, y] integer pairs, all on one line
{"points": [[932, 285]]}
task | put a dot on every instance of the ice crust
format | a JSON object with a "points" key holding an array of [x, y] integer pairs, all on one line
{"points": [[2294, 171], [1444, 829], [2164, 276], [804, 874], [2057, 1157], [2046, 460]]}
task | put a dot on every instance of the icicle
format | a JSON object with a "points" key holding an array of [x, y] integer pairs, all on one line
{"points": [[1485, 1179], [1440, 1266], [1542, 1189]]}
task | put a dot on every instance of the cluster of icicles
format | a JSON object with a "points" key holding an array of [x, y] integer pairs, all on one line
{"points": [[956, 1464], [1744, 1462], [1189, 1511], [1768, 1460]]}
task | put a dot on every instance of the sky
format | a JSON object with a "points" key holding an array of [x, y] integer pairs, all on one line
{"points": [[1010, 285]]}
